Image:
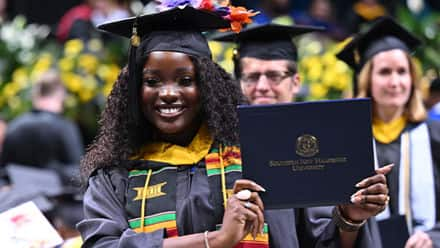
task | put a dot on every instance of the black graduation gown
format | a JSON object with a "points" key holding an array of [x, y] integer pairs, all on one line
{"points": [[105, 223], [390, 153]]}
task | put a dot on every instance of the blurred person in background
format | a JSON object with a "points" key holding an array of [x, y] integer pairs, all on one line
{"points": [[271, 9], [402, 136], [362, 12], [433, 101], [43, 137], [4, 11], [433, 104], [321, 13], [80, 21], [109, 10]]}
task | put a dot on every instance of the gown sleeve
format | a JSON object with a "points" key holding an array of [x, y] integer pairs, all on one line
{"points": [[105, 222], [321, 230]]}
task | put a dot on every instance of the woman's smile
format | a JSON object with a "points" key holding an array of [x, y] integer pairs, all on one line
{"points": [[168, 111]]}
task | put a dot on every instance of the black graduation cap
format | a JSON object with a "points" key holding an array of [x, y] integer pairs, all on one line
{"points": [[384, 34], [178, 30], [268, 41]]}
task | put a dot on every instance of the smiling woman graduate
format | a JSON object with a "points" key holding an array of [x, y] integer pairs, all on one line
{"points": [[165, 169]]}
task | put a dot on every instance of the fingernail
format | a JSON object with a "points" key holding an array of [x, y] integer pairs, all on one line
{"points": [[360, 184], [259, 187], [355, 199], [244, 194]]}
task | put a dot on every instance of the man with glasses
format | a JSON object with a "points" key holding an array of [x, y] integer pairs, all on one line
{"points": [[265, 62]]}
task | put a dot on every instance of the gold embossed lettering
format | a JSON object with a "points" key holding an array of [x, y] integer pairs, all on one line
{"points": [[153, 191]]}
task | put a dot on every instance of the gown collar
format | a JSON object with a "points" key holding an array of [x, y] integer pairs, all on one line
{"points": [[388, 132], [179, 155]]}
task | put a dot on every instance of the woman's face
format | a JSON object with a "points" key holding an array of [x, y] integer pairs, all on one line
{"points": [[170, 96], [391, 78]]}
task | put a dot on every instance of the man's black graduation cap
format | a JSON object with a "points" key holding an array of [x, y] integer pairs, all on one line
{"points": [[384, 34], [178, 30], [268, 41]]}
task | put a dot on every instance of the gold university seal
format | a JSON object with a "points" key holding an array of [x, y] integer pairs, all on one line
{"points": [[307, 145]]}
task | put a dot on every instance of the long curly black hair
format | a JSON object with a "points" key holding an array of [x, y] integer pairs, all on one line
{"points": [[120, 137]]}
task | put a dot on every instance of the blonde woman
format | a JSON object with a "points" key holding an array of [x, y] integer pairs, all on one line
{"points": [[387, 74]]}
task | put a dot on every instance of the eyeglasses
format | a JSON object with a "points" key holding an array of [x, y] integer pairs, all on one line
{"points": [[274, 78]]}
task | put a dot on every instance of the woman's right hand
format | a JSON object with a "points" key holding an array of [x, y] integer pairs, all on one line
{"points": [[243, 216]]}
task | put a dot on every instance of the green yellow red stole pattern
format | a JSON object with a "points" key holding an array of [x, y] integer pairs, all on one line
{"points": [[161, 193]]}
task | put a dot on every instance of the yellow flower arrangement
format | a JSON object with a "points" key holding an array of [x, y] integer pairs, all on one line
{"points": [[321, 72], [87, 71], [318, 90], [88, 63], [72, 48], [66, 64]]}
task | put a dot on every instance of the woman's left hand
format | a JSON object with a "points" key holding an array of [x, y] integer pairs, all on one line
{"points": [[371, 198], [419, 240]]}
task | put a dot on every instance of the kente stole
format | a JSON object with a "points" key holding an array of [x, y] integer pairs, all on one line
{"points": [[161, 174]]}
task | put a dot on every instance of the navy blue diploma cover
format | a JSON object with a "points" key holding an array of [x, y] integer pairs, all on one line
{"points": [[307, 154]]}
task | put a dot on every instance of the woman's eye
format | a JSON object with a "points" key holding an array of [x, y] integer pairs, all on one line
{"points": [[384, 71], [402, 71], [186, 81], [151, 81]]}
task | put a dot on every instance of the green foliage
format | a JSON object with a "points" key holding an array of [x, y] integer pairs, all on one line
{"points": [[427, 28]]}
